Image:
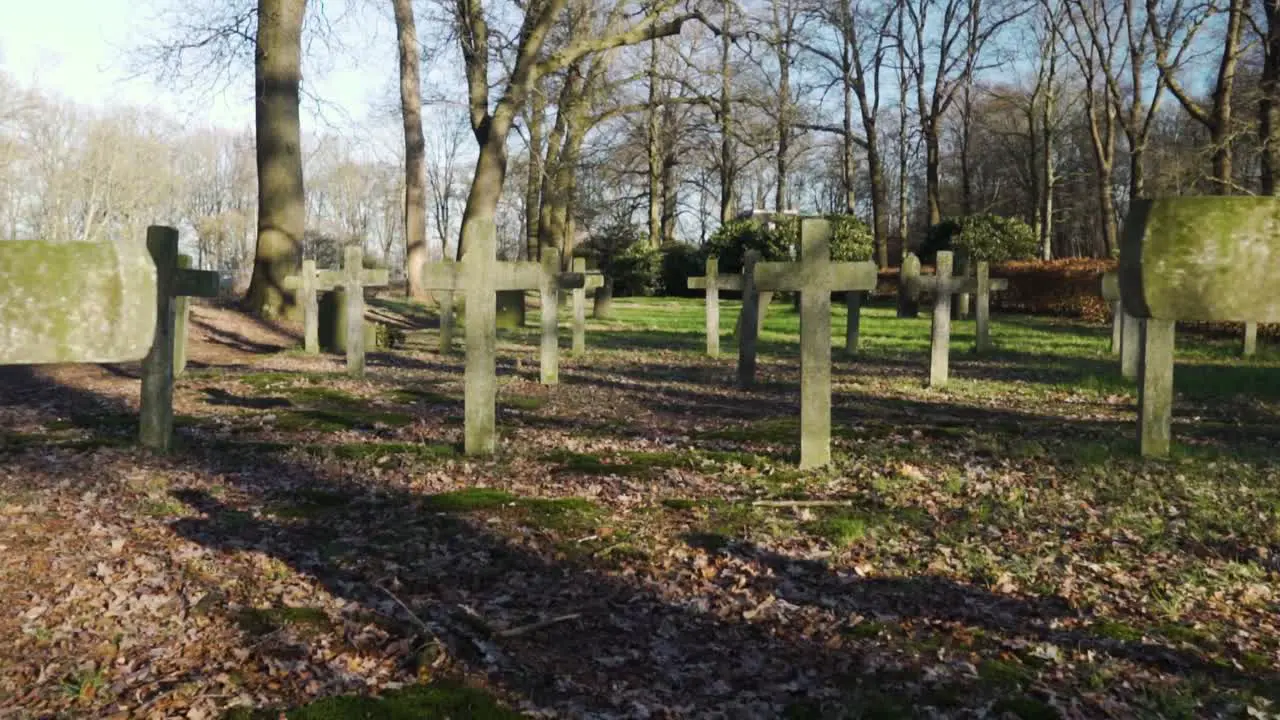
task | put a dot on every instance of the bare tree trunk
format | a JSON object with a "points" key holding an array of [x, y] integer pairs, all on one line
{"points": [[533, 190], [932, 159], [1269, 87], [727, 162], [966, 138], [879, 204], [655, 151], [1050, 178], [848, 168], [281, 200], [784, 130], [415, 165]]}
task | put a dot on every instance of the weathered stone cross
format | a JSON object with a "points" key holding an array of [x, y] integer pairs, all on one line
{"points": [[101, 303], [815, 277], [1200, 259], [1126, 330], [480, 276], [353, 278], [713, 282], [943, 285], [591, 281], [172, 282]]}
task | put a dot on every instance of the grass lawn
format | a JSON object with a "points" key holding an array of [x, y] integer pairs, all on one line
{"points": [[642, 545]]}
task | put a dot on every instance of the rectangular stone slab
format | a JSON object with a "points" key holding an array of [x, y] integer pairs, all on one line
{"points": [[928, 284], [1207, 259], [75, 302]]}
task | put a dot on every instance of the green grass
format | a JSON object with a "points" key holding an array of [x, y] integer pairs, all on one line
{"points": [[305, 620], [563, 515], [434, 701]]}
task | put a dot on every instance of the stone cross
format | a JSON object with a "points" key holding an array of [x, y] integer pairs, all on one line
{"points": [[713, 282], [1126, 330], [172, 282], [1199, 259], [75, 302], [591, 281], [481, 276], [942, 285], [181, 321], [815, 277], [353, 278]]}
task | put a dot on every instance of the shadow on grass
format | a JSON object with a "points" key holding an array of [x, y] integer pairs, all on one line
{"points": [[630, 643]]}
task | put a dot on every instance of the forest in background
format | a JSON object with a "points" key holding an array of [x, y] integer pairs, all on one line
{"points": [[672, 117]]}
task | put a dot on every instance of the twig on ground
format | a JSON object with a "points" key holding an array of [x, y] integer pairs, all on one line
{"points": [[531, 627], [802, 503], [421, 623]]}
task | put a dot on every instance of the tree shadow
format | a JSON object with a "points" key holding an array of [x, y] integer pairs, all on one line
{"points": [[634, 641], [235, 340]]}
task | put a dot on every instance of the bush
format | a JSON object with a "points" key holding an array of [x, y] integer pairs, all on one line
{"points": [[982, 237], [851, 240], [635, 271], [731, 241], [1070, 287], [680, 261], [619, 252]]}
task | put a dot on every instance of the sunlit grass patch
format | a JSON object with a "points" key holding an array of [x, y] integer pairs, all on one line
{"points": [[435, 700]]}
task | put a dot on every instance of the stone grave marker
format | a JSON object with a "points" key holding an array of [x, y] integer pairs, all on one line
{"points": [[591, 281], [1199, 259], [815, 277], [101, 303], [1126, 330], [943, 285], [75, 302], [181, 322], [713, 282], [481, 276], [172, 282], [353, 278]]}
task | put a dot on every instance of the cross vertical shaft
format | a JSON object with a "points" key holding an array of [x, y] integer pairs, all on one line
{"points": [[815, 344], [352, 264], [941, 341], [310, 309], [479, 269]]}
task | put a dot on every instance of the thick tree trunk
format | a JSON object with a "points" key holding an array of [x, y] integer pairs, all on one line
{"points": [[415, 149], [879, 204], [486, 183], [669, 196], [1106, 206], [933, 185], [281, 201], [1269, 85]]}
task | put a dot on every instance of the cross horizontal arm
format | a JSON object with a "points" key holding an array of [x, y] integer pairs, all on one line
{"points": [[723, 282], [956, 285], [442, 276], [839, 276], [196, 283], [571, 280], [328, 279], [376, 277]]}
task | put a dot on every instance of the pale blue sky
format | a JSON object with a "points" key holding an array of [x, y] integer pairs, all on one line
{"points": [[77, 48]]}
